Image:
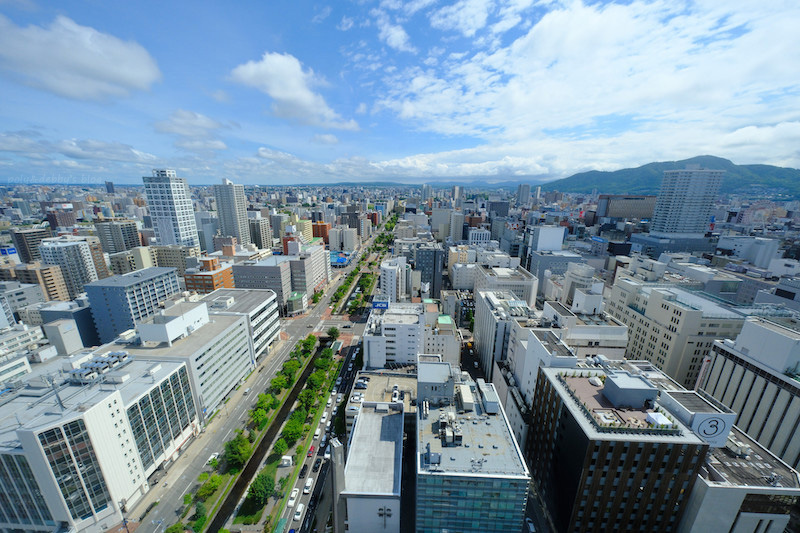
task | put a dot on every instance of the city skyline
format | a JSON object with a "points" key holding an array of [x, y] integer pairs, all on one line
{"points": [[390, 91]]}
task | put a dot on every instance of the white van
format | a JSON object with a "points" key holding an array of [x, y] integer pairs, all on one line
{"points": [[298, 514], [317, 433], [307, 487], [324, 417]]}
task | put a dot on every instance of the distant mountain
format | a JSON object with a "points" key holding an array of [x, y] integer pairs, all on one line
{"points": [[753, 180]]}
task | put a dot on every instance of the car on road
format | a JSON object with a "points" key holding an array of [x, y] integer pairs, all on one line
{"points": [[317, 464], [339, 398], [212, 457], [303, 471], [324, 418], [298, 514], [310, 326], [347, 326], [293, 497], [330, 401], [529, 525], [338, 381], [308, 485], [310, 452], [327, 453]]}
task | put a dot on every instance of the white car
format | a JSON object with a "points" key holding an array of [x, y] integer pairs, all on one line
{"points": [[298, 514], [529, 524], [308, 485], [293, 497], [324, 417]]}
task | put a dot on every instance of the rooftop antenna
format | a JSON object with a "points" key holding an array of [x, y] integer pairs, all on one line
{"points": [[52, 382]]}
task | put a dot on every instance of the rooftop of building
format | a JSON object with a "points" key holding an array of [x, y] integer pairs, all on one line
{"points": [[507, 274], [35, 406], [487, 449], [374, 461], [583, 393], [744, 462], [381, 385], [236, 300], [552, 343], [271, 261], [556, 253], [182, 347], [697, 302], [132, 278]]}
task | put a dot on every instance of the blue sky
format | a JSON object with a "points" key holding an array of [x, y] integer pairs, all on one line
{"points": [[284, 92]]}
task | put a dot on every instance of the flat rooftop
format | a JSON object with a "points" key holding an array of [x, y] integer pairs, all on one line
{"points": [[488, 446], [374, 461], [244, 300], [598, 417], [34, 407], [132, 278], [694, 402], [709, 308], [759, 468], [185, 346], [552, 343], [380, 386], [508, 274]]}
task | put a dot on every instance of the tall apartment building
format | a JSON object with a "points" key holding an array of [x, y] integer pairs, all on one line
{"points": [[117, 235], [170, 204], [133, 259], [395, 335], [757, 374], [260, 232], [120, 302], [15, 295], [394, 281], [523, 194], [671, 327], [174, 256], [48, 277], [684, 203], [232, 211], [430, 264], [321, 229], [60, 218], [496, 312], [343, 239], [456, 226], [470, 472], [79, 459], [310, 267], [626, 206], [27, 242], [74, 256]]}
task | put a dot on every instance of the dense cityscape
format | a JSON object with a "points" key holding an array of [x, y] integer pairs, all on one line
{"points": [[399, 266], [398, 358]]}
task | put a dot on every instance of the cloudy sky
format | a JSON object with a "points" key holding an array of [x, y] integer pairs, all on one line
{"points": [[289, 91]]}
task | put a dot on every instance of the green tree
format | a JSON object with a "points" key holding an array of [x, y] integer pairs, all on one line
{"points": [[333, 332], [237, 450], [327, 353], [264, 402], [209, 487], [292, 431], [315, 380], [322, 364], [200, 511], [261, 488], [307, 398], [280, 446], [259, 417], [290, 367], [176, 528], [278, 383]]}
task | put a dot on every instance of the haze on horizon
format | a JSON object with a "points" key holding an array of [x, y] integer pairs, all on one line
{"points": [[411, 92]]}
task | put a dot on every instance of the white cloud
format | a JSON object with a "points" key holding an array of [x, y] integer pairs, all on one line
{"points": [[281, 76], [325, 138], [322, 15], [196, 132], [361, 109], [75, 61], [101, 150], [392, 34], [345, 24], [188, 124], [465, 16], [220, 96]]}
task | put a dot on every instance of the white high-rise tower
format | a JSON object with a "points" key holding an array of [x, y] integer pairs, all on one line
{"points": [[232, 211], [170, 204], [684, 204]]}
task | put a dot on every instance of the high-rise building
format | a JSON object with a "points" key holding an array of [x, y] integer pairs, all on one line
{"points": [[49, 278], [427, 192], [523, 194], [119, 302], [209, 275], [394, 279], [470, 473], [174, 256], [27, 242], [260, 232], [60, 218], [456, 226], [430, 263], [74, 256], [608, 451], [117, 235], [170, 204], [110, 187], [273, 273], [685, 201], [133, 259], [232, 209]]}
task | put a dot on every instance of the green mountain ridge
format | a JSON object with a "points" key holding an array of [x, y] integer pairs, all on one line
{"points": [[752, 180]]}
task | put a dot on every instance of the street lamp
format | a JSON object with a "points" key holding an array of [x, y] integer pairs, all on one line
{"points": [[385, 513]]}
